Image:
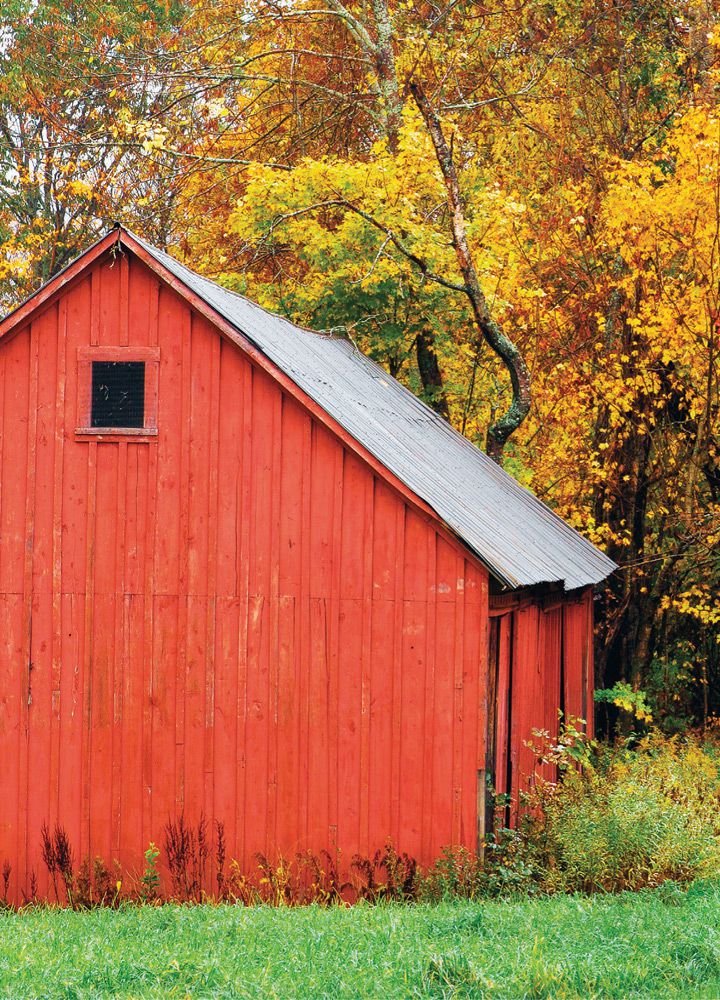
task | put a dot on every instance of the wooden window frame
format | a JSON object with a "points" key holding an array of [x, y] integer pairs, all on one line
{"points": [[150, 356]]}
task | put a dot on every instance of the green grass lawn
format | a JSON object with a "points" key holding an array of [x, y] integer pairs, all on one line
{"points": [[662, 944]]}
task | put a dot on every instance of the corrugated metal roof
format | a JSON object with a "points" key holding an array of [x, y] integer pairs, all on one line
{"points": [[520, 540]]}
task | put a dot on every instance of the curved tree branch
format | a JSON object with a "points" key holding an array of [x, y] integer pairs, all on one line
{"points": [[508, 352]]}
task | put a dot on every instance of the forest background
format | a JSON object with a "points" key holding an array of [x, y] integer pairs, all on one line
{"points": [[514, 207]]}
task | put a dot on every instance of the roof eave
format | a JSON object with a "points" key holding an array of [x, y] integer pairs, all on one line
{"points": [[19, 315]]}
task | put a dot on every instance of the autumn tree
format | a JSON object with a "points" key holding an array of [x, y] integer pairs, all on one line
{"points": [[384, 51], [70, 80]]}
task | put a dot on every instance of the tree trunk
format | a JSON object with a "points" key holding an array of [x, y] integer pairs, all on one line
{"points": [[387, 73], [430, 374], [500, 430]]}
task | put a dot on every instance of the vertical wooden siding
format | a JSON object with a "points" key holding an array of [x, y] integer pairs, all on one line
{"points": [[552, 669], [237, 618]]}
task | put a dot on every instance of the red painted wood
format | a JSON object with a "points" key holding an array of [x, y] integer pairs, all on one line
{"points": [[526, 696], [243, 616], [589, 665], [577, 657], [551, 652], [503, 690]]}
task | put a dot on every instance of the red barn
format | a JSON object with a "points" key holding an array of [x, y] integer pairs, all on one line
{"points": [[245, 573]]}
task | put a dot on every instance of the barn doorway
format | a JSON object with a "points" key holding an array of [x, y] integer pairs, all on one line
{"points": [[498, 775], [500, 662]]}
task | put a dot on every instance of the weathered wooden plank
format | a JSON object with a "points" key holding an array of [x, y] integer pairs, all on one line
{"points": [[41, 467], [31, 421], [56, 746]]}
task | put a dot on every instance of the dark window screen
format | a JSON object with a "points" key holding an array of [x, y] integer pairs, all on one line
{"points": [[118, 393]]}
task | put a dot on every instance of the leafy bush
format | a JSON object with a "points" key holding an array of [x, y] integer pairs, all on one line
{"points": [[625, 818], [508, 868], [150, 880], [625, 697]]}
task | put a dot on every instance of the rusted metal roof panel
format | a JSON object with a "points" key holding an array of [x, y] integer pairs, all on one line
{"points": [[518, 537]]}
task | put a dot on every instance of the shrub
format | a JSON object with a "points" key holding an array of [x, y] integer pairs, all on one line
{"points": [[386, 875], [628, 819], [507, 868], [187, 850], [88, 886]]}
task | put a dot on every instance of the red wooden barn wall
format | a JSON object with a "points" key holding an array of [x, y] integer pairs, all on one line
{"points": [[237, 617], [544, 663]]}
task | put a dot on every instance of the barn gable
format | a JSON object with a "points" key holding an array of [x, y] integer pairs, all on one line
{"points": [[235, 615], [514, 534]]}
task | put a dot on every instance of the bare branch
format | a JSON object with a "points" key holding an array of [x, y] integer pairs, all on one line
{"points": [[419, 263]]}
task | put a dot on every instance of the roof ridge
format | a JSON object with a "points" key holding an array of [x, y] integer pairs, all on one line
{"points": [[230, 291], [475, 499]]}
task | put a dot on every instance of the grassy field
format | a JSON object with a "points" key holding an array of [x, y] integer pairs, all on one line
{"points": [[662, 944]]}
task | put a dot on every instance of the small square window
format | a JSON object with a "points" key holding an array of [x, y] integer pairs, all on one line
{"points": [[118, 394]]}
